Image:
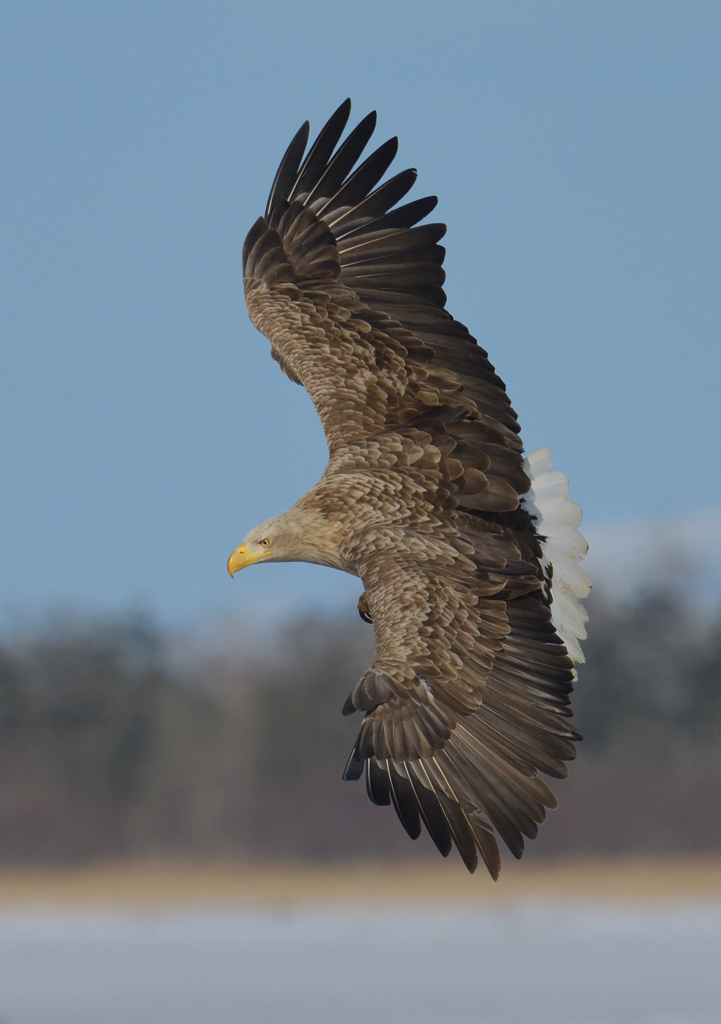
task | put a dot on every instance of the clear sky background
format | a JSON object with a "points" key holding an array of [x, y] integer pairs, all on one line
{"points": [[575, 150]]}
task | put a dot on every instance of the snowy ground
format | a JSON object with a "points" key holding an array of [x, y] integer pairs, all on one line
{"points": [[514, 964]]}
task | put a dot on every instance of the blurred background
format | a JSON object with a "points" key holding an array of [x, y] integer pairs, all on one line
{"points": [[153, 712], [118, 742]]}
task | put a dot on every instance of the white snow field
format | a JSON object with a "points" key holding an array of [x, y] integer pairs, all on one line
{"points": [[516, 964]]}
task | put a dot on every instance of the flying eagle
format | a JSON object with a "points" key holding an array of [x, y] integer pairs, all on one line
{"points": [[468, 552]]}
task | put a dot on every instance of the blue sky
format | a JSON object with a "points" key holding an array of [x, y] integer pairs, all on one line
{"points": [[575, 150]]}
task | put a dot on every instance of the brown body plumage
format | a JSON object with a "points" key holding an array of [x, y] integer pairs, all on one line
{"points": [[468, 696]]}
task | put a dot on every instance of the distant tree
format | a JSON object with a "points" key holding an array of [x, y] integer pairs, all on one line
{"points": [[300, 692], [110, 746], [650, 690]]}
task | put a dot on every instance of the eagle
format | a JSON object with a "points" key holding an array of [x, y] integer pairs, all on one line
{"points": [[467, 551]]}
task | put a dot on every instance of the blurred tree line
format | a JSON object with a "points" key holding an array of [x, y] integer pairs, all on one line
{"points": [[116, 740]]}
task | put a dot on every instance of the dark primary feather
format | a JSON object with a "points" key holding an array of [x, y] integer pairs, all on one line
{"points": [[288, 171], [320, 153], [404, 217], [374, 205], [356, 188], [334, 174]]}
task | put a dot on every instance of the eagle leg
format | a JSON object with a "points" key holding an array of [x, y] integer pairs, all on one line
{"points": [[363, 609]]}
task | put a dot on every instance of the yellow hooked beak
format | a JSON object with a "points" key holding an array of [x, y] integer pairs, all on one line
{"points": [[239, 559]]}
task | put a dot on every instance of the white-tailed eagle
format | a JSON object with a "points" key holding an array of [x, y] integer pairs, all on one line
{"points": [[468, 551]]}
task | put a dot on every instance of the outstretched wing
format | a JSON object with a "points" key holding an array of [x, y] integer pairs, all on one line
{"points": [[468, 697], [350, 296]]}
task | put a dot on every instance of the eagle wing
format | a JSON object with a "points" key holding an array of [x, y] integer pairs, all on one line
{"points": [[468, 697], [469, 694], [350, 296]]}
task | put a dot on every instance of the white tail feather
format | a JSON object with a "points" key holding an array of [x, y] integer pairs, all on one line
{"points": [[557, 520]]}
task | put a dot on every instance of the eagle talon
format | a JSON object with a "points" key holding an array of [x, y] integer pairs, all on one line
{"points": [[363, 609]]}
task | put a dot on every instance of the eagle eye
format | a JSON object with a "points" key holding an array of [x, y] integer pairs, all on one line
{"points": [[265, 542]]}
